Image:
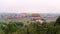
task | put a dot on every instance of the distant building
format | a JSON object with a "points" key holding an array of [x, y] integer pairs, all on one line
{"points": [[36, 17]]}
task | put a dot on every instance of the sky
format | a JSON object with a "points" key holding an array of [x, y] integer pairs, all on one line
{"points": [[30, 6]]}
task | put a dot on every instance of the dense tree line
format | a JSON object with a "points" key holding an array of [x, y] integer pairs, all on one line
{"points": [[30, 27]]}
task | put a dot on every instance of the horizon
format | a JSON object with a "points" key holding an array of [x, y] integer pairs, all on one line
{"points": [[32, 13]]}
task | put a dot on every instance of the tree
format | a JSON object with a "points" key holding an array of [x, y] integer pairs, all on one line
{"points": [[57, 21], [9, 27]]}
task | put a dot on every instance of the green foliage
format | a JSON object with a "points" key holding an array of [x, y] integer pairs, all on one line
{"points": [[28, 27], [9, 27], [57, 21]]}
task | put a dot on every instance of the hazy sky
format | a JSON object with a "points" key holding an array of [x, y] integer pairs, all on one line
{"points": [[30, 6]]}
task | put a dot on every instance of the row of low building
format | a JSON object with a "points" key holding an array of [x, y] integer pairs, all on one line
{"points": [[33, 17]]}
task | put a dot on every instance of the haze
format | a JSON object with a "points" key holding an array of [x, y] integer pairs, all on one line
{"points": [[30, 6]]}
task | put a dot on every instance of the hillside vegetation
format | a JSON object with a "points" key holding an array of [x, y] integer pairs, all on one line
{"points": [[30, 27]]}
